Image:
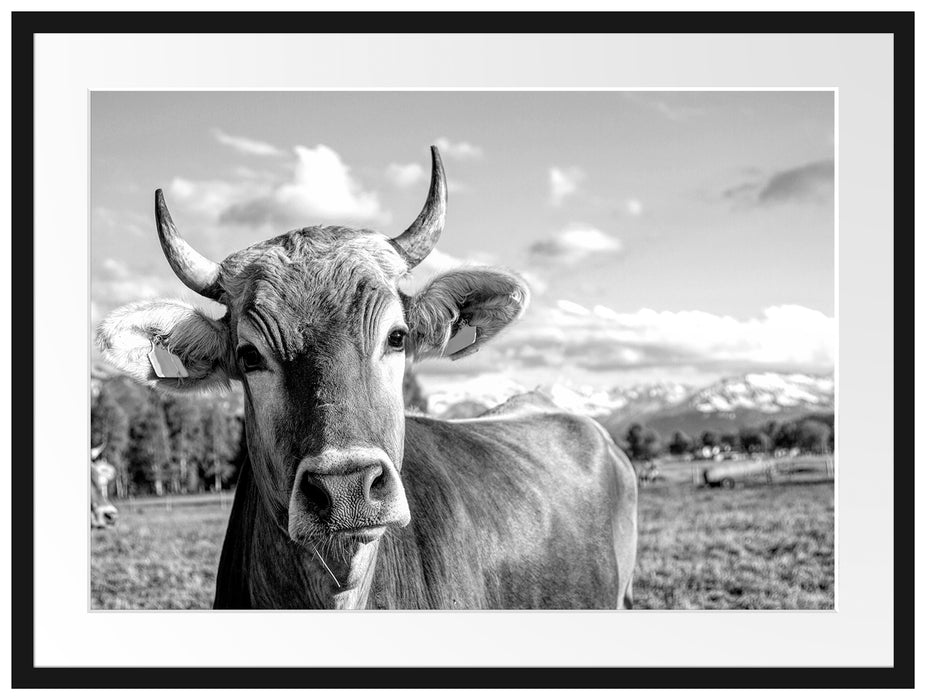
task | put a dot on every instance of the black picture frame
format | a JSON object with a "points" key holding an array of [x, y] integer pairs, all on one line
{"points": [[25, 25]]}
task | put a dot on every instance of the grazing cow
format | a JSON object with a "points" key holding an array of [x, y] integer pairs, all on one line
{"points": [[102, 512], [346, 502]]}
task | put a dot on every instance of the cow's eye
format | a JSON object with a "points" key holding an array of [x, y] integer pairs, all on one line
{"points": [[397, 339], [249, 358]]}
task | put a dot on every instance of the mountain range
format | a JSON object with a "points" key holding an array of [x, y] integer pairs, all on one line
{"points": [[729, 404]]}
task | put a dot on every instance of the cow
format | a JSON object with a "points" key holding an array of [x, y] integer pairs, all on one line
{"points": [[344, 502], [102, 512]]}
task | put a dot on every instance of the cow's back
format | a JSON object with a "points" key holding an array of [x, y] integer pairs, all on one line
{"points": [[529, 509]]}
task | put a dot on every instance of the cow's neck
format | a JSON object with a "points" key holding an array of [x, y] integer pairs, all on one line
{"points": [[262, 568]]}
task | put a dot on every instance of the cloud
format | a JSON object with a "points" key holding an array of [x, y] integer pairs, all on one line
{"points": [[563, 183], [783, 337], [570, 307], [813, 183], [245, 145], [323, 186], [634, 207], [114, 283], [211, 199], [671, 110], [247, 173], [404, 175], [320, 188], [460, 150], [575, 243]]}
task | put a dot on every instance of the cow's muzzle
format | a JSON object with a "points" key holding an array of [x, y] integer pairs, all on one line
{"points": [[354, 493]]}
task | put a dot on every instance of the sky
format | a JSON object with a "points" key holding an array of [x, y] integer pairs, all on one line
{"points": [[666, 236]]}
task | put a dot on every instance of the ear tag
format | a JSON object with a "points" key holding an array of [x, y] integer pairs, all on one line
{"points": [[165, 364], [463, 338]]}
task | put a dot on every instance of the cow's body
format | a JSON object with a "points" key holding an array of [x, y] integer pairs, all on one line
{"points": [[533, 509]]}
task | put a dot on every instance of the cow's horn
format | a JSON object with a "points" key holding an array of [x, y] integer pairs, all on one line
{"points": [[420, 238], [196, 271]]}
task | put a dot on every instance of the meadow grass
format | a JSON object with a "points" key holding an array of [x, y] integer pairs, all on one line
{"points": [[755, 546], [158, 559]]}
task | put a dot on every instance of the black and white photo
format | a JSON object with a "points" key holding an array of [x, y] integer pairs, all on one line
{"points": [[593, 370]]}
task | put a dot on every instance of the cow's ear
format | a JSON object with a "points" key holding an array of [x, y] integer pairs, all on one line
{"points": [[480, 298], [128, 335]]}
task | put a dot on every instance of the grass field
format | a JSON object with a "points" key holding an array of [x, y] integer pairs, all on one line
{"points": [[761, 546]]}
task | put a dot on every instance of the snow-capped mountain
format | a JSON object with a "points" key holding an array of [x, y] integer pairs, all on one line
{"points": [[464, 398], [737, 402], [585, 400], [645, 398], [767, 392], [752, 395]]}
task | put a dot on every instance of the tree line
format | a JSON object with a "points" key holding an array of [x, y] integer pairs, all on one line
{"points": [[160, 444], [163, 444], [810, 435]]}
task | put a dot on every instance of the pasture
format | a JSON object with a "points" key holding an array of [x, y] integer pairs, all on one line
{"points": [[754, 546]]}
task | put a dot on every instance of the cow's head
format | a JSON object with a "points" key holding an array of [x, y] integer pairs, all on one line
{"points": [[317, 330], [102, 512]]}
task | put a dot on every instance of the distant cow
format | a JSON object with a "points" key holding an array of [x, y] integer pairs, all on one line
{"points": [[346, 502], [102, 512]]}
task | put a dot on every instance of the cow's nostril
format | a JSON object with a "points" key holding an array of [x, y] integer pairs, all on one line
{"points": [[377, 483], [316, 496]]}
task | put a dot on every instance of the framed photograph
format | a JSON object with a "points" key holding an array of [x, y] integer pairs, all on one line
{"points": [[542, 353]]}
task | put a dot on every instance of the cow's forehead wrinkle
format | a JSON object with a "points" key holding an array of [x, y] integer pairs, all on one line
{"points": [[311, 314]]}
